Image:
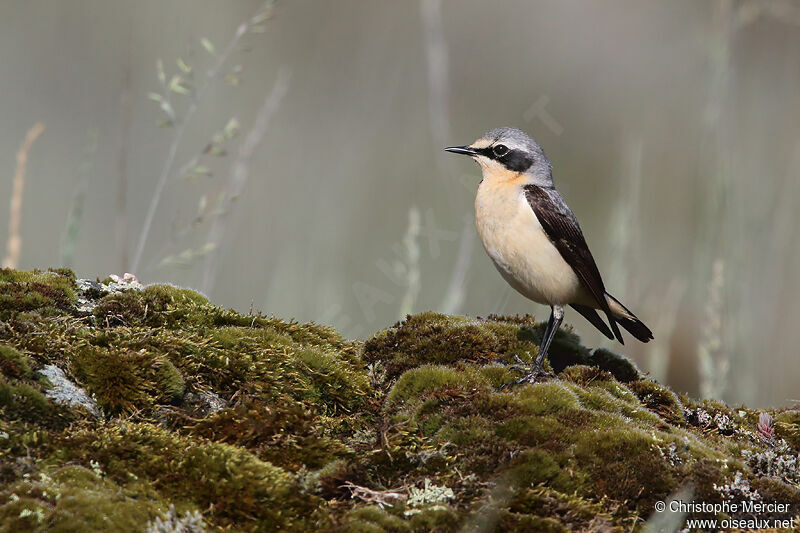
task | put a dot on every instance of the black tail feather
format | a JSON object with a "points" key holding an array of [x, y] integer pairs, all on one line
{"points": [[613, 321], [633, 325], [636, 328], [592, 316]]}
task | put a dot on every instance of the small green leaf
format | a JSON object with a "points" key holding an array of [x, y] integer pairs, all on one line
{"points": [[213, 149], [263, 16], [186, 69], [168, 109], [207, 247], [208, 45], [231, 129], [156, 97], [201, 170], [233, 80], [176, 85]]}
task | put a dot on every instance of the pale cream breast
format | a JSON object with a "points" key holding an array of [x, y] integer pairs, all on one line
{"points": [[519, 247]]}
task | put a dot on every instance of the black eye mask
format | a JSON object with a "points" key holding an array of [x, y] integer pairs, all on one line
{"points": [[514, 160]]}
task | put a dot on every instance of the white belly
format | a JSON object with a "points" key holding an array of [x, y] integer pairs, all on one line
{"points": [[520, 249]]}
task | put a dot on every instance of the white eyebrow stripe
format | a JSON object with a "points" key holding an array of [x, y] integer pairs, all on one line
{"points": [[482, 143]]}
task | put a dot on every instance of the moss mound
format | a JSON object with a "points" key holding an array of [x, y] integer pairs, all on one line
{"points": [[261, 424]]}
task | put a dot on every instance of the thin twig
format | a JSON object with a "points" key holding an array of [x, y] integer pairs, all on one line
{"points": [[180, 130], [15, 218], [240, 171], [380, 497]]}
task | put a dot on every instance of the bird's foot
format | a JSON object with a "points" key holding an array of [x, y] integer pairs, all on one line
{"points": [[536, 372], [518, 365]]}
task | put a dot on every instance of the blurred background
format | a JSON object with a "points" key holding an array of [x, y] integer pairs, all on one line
{"points": [[290, 160]]}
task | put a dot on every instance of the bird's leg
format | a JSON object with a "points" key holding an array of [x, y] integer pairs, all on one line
{"points": [[521, 366], [556, 316], [553, 323]]}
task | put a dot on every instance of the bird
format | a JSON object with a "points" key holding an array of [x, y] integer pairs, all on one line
{"points": [[534, 239]]}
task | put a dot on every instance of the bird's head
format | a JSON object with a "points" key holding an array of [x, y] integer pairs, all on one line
{"points": [[508, 153]]}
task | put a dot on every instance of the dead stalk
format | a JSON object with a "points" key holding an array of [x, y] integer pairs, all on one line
{"points": [[14, 246]]}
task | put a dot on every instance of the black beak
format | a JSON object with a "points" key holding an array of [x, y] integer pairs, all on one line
{"points": [[465, 150]]}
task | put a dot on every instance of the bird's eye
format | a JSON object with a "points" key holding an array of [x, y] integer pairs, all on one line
{"points": [[500, 150]]}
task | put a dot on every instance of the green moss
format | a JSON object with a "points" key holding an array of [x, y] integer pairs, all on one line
{"points": [[275, 424], [20, 401], [598, 399], [585, 375], [618, 390], [431, 338], [787, 427], [13, 364], [47, 293], [155, 306], [658, 399], [567, 511], [282, 433], [640, 479], [174, 296], [546, 398], [621, 367], [169, 381], [614, 398], [236, 486], [130, 308], [373, 519], [466, 431], [435, 518], [523, 429], [124, 380], [419, 381], [73, 499], [333, 383], [537, 466]]}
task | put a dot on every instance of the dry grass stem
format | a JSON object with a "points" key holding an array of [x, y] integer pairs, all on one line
{"points": [[14, 247]]}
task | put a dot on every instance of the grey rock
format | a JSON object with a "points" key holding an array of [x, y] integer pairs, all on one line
{"points": [[205, 402], [90, 291], [66, 392]]}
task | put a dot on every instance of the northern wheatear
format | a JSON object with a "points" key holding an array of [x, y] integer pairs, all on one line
{"points": [[534, 238]]}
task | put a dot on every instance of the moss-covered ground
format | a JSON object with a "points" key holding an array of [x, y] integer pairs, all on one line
{"points": [[262, 424]]}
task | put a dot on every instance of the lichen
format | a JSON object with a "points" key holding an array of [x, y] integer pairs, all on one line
{"points": [[199, 417]]}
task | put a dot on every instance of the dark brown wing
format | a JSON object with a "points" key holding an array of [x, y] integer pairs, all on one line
{"points": [[561, 226]]}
